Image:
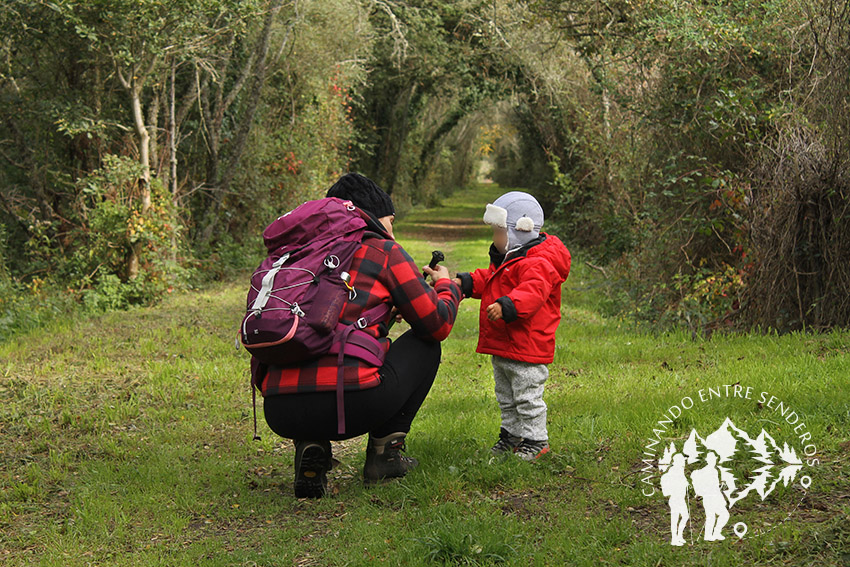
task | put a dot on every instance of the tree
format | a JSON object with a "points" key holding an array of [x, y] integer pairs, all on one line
{"points": [[136, 38], [433, 64], [216, 101]]}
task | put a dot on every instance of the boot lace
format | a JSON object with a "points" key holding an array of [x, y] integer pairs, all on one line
{"points": [[506, 443], [395, 448]]}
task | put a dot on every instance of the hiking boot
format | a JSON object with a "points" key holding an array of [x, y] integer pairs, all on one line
{"points": [[384, 459], [506, 443], [312, 463], [530, 450]]}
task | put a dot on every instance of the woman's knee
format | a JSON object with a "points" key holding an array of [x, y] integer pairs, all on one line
{"points": [[432, 352], [427, 349], [427, 352]]}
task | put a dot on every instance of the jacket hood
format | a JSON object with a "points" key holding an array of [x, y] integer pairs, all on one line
{"points": [[553, 250]]}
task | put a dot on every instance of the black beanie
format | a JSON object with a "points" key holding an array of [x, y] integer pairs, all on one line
{"points": [[364, 193]]}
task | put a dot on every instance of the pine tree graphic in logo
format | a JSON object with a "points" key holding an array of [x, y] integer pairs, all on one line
{"points": [[721, 469]]}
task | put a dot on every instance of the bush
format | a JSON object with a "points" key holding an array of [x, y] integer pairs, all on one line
{"points": [[228, 257], [24, 308], [800, 227], [27, 307], [87, 266], [111, 294]]}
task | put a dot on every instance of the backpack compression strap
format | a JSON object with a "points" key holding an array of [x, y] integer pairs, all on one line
{"points": [[375, 314]]}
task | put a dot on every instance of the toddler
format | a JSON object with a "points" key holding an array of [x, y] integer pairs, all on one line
{"points": [[520, 311]]}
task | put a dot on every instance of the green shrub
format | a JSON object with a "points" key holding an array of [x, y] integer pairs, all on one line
{"points": [[24, 308]]}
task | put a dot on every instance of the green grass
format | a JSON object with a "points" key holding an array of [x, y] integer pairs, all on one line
{"points": [[126, 440]]}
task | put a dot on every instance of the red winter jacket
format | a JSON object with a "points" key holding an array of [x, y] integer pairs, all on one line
{"points": [[528, 287]]}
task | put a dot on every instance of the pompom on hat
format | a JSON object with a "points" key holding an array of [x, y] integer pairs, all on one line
{"points": [[520, 214], [364, 193]]}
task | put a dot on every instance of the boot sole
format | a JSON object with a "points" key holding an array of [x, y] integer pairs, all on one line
{"points": [[368, 481], [311, 476], [382, 480], [532, 458]]}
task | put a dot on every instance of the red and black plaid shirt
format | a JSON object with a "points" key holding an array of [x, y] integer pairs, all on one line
{"points": [[381, 272]]}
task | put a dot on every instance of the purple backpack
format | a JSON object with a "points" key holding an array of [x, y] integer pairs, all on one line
{"points": [[298, 292]]}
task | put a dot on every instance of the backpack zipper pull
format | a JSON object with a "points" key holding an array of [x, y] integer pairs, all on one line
{"points": [[346, 279]]}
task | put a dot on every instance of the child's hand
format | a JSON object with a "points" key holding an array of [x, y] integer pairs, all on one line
{"points": [[494, 311], [458, 282]]}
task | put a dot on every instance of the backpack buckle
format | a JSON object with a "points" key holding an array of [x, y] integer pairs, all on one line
{"points": [[361, 323], [332, 262], [280, 261]]}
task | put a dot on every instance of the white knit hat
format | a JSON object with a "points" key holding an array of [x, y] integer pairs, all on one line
{"points": [[518, 212]]}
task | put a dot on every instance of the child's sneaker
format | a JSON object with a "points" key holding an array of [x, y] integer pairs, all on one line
{"points": [[507, 443], [529, 450]]}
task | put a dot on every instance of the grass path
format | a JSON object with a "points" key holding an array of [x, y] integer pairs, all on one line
{"points": [[126, 440]]}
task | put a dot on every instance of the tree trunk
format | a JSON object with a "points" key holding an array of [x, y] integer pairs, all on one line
{"points": [[145, 181], [153, 142], [393, 144], [606, 119], [240, 139], [172, 150], [429, 148]]}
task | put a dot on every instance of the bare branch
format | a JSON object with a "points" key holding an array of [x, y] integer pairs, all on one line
{"points": [[144, 75], [397, 31], [188, 99], [124, 82], [6, 156], [239, 84]]}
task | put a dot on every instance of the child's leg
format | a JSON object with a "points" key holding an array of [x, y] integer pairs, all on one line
{"points": [[528, 380], [505, 395]]}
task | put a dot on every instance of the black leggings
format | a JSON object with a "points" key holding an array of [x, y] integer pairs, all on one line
{"points": [[406, 378]]}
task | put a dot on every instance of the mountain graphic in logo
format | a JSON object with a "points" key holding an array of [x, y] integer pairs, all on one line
{"points": [[730, 443], [724, 467]]}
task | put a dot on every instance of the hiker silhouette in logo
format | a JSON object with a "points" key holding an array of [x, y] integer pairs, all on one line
{"points": [[706, 483], [674, 485]]}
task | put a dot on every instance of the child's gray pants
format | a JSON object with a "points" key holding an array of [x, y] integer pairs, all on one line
{"points": [[519, 390]]}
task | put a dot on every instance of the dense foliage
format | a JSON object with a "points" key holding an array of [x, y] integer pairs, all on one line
{"points": [[697, 151]]}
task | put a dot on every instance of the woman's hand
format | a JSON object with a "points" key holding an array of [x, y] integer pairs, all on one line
{"points": [[438, 273]]}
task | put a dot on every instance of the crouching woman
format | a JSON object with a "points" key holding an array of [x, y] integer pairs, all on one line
{"points": [[300, 401]]}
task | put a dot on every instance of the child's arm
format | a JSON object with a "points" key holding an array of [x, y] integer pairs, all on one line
{"points": [[536, 284], [472, 283]]}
